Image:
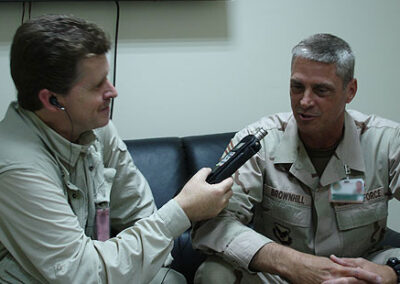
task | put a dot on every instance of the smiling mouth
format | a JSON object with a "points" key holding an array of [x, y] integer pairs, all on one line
{"points": [[305, 116]]}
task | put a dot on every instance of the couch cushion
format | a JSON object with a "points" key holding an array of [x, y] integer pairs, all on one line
{"points": [[167, 163], [391, 239], [162, 162]]}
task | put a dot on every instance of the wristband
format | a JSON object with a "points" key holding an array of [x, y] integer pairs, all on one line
{"points": [[394, 263]]}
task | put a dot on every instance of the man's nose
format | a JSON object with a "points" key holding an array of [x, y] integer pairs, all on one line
{"points": [[111, 92], [308, 99]]}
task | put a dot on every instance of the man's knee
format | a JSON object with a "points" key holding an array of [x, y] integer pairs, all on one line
{"points": [[215, 270], [382, 256], [168, 276]]}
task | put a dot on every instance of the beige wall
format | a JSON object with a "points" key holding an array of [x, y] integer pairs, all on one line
{"points": [[196, 67]]}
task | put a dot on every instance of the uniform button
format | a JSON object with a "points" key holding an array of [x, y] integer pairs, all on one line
{"points": [[91, 168], [74, 195]]}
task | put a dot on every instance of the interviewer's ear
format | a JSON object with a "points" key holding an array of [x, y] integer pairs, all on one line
{"points": [[351, 90], [45, 97]]}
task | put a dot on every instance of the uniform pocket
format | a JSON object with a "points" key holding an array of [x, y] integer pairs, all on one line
{"points": [[285, 218], [361, 226], [358, 215], [296, 215]]}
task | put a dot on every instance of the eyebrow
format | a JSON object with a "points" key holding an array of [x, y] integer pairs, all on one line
{"points": [[324, 85], [295, 81]]}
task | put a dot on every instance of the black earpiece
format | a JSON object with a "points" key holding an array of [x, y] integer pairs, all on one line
{"points": [[53, 100]]}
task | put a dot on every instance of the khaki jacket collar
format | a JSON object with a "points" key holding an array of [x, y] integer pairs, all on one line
{"points": [[349, 150], [62, 148], [291, 151]]}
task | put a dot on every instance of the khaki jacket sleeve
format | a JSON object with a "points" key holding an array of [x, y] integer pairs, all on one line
{"points": [[229, 234], [43, 235]]}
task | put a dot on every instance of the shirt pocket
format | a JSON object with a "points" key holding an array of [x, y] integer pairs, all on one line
{"points": [[286, 222], [103, 190], [361, 226]]}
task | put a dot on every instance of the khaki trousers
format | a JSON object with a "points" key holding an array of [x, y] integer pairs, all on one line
{"points": [[168, 276]]}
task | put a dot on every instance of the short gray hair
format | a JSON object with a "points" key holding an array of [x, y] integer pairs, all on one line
{"points": [[328, 48]]}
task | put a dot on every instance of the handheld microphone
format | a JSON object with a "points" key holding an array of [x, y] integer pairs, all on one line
{"points": [[53, 100], [244, 150]]}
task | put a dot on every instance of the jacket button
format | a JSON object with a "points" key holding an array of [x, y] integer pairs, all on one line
{"points": [[74, 195], [91, 168]]}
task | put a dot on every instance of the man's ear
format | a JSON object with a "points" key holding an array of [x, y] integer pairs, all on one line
{"points": [[351, 90], [44, 97]]}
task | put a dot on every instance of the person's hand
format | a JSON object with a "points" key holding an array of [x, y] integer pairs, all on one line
{"points": [[322, 269], [386, 273], [201, 200], [298, 267]]}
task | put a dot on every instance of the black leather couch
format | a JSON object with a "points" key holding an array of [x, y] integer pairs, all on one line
{"points": [[167, 163]]}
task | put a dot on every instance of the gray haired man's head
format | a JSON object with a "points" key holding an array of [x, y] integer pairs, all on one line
{"points": [[330, 49]]}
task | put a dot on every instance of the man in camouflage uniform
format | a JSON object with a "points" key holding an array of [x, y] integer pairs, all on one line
{"points": [[317, 192]]}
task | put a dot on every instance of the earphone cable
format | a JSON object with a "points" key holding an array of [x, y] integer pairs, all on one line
{"points": [[29, 9], [70, 142], [115, 55], [23, 13]]}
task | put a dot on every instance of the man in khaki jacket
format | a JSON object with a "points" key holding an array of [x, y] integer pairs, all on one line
{"points": [[66, 177], [317, 192]]}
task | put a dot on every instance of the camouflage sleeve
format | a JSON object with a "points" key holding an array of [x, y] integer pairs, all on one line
{"points": [[230, 234]]}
